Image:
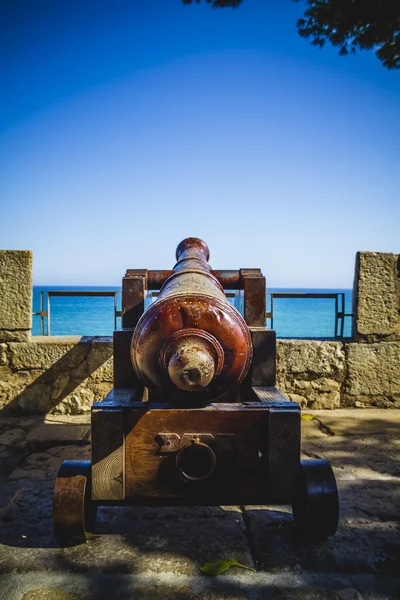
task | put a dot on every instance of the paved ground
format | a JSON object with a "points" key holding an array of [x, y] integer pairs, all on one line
{"points": [[152, 553]]}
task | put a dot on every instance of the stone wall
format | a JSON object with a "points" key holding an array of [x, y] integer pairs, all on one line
{"points": [[376, 297], [312, 372], [15, 295], [373, 359], [67, 374], [62, 375]]}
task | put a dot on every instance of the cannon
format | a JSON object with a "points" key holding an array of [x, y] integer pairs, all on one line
{"points": [[194, 417]]}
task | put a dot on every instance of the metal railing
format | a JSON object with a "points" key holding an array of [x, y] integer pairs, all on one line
{"points": [[339, 298], [340, 313], [45, 314]]}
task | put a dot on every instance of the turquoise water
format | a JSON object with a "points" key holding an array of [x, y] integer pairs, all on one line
{"points": [[293, 317]]}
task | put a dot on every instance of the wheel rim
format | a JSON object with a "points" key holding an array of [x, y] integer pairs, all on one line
{"points": [[316, 502], [73, 511]]}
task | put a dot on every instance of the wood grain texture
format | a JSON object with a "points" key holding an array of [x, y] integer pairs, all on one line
{"points": [[108, 455], [243, 472], [255, 293], [283, 450], [270, 394]]}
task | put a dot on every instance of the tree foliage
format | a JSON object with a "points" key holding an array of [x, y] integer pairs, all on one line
{"points": [[352, 24], [347, 24]]}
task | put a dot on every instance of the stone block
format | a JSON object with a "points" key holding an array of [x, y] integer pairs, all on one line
{"points": [[75, 403], [35, 398], [374, 372], [12, 385], [311, 372], [16, 291], [64, 375], [100, 359], [314, 393], [324, 400], [311, 358], [3, 355], [163, 592], [376, 302], [50, 594], [99, 389], [16, 335], [48, 352], [215, 594]]}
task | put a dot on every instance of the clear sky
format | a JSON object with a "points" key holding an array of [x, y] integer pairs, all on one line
{"points": [[127, 126]]}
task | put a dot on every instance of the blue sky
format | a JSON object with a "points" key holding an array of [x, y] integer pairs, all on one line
{"points": [[127, 126]]}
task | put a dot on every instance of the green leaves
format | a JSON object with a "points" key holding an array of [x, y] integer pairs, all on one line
{"points": [[307, 417], [355, 25], [217, 567]]}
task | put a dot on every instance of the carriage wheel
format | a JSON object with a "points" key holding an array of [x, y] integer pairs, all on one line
{"points": [[316, 501], [73, 510]]}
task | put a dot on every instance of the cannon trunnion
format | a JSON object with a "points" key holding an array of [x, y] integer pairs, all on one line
{"points": [[194, 417]]}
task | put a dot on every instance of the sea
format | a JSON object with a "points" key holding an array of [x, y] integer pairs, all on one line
{"points": [[298, 317]]}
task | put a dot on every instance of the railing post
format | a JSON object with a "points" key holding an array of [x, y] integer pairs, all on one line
{"points": [[48, 313], [41, 313]]}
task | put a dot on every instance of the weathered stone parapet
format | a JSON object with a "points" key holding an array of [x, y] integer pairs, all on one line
{"points": [[67, 374], [62, 375], [15, 335], [16, 295], [373, 375], [311, 372], [376, 297]]}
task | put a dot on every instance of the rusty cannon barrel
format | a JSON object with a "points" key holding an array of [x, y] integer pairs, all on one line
{"points": [[191, 346]]}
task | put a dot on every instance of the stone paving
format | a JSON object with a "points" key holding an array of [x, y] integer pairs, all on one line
{"points": [[156, 553]]}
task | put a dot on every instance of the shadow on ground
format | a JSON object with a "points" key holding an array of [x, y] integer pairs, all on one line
{"points": [[162, 543]]}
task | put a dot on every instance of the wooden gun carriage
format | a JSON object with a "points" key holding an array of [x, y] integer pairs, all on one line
{"points": [[194, 417]]}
